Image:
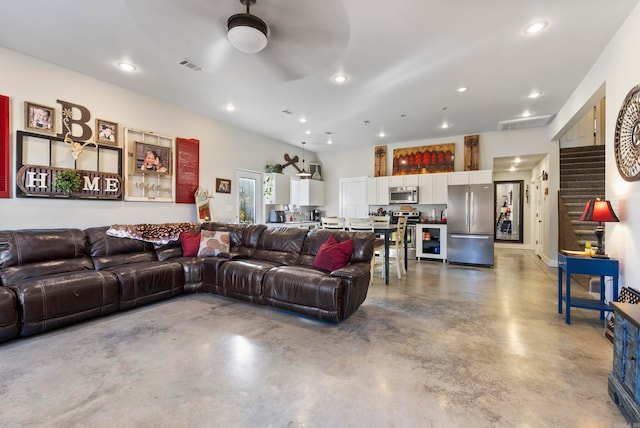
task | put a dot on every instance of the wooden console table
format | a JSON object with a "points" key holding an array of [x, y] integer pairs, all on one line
{"points": [[588, 266]]}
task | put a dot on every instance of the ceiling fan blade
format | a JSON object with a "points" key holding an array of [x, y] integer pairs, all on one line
{"points": [[304, 36]]}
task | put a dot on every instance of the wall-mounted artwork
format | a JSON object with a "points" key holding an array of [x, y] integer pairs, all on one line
{"points": [[152, 158], [107, 132], [149, 166], [39, 118], [424, 159], [223, 185]]}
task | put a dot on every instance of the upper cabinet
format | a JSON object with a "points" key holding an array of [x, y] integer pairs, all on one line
{"points": [[484, 176], [404, 180], [378, 190], [307, 193], [277, 188], [433, 188]]}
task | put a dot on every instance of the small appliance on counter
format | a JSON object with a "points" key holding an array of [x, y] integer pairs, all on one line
{"points": [[314, 215], [277, 216]]}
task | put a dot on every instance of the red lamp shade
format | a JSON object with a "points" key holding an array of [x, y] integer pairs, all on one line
{"points": [[597, 210], [600, 211]]}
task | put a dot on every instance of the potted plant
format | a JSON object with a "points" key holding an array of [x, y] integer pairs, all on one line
{"points": [[67, 180]]}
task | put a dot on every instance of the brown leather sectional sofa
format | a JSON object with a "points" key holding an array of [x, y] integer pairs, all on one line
{"points": [[55, 277]]}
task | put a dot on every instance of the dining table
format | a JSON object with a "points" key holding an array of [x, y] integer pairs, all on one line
{"points": [[386, 232]]}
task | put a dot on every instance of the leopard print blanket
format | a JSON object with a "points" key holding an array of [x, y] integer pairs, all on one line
{"points": [[157, 234]]}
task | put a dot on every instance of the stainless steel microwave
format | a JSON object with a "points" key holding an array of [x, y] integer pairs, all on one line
{"points": [[403, 195]]}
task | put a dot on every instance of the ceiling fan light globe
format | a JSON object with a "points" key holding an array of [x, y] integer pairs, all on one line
{"points": [[247, 33]]}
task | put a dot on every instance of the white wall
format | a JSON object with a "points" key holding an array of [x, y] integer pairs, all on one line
{"points": [[223, 148], [616, 69]]}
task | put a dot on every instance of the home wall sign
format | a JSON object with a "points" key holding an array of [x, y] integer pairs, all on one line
{"points": [[40, 157], [424, 160], [38, 180], [627, 136]]}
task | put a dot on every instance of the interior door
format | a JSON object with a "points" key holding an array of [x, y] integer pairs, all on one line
{"points": [[353, 197]]}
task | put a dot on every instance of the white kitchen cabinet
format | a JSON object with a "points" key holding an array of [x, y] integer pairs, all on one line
{"points": [[295, 193], [378, 190], [432, 188], [404, 180], [276, 189], [311, 193], [484, 176]]}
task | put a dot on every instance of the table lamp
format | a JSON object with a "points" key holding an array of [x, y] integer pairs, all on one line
{"points": [[600, 211]]}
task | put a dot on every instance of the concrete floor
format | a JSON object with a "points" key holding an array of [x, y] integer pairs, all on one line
{"points": [[446, 347]]}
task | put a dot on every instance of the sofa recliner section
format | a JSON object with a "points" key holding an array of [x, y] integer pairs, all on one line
{"points": [[52, 276], [141, 276], [9, 316]]}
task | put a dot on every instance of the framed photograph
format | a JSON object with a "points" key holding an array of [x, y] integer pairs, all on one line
{"points": [[223, 185], [315, 169], [39, 118], [106, 132], [153, 159]]}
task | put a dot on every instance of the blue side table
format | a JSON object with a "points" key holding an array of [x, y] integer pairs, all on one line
{"points": [[588, 266]]}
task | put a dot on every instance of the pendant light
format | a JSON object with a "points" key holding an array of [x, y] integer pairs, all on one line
{"points": [[304, 172]]}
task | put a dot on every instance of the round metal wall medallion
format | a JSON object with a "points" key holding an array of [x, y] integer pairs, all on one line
{"points": [[627, 137]]}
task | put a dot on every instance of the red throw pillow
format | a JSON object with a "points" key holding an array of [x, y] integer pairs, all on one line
{"points": [[190, 242], [333, 255]]}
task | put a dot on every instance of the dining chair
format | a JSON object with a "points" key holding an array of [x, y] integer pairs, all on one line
{"points": [[333, 223], [365, 224], [398, 253]]}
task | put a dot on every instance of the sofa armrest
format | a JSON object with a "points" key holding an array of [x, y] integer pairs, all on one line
{"points": [[352, 271]]}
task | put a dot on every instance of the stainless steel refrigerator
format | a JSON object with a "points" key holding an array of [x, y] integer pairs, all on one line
{"points": [[470, 224]]}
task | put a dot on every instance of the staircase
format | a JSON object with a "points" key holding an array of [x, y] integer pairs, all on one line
{"points": [[582, 178]]}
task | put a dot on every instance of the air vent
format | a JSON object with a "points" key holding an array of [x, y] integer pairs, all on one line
{"points": [[190, 64], [524, 123]]}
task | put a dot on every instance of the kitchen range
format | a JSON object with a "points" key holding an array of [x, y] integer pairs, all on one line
{"points": [[413, 218]]}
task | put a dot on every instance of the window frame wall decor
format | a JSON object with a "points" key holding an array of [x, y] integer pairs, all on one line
{"points": [[411, 160], [40, 157], [149, 185]]}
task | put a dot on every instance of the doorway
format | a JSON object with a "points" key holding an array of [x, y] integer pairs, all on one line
{"points": [[249, 197], [508, 207]]}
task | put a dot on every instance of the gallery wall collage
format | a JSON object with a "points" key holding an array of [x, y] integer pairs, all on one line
{"points": [[65, 153]]}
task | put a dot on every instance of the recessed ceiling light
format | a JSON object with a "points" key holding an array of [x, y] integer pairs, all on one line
{"points": [[462, 89], [512, 169], [535, 27], [230, 107], [340, 78], [303, 120], [534, 94], [329, 141], [308, 132], [126, 66], [381, 134], [526, 113], [444, 125]]}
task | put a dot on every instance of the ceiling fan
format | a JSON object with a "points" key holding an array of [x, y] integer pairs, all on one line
{"points": [[292, 38], [247, 32]]}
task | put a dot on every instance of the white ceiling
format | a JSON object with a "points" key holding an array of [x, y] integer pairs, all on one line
{"points": [[404, 58]]}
